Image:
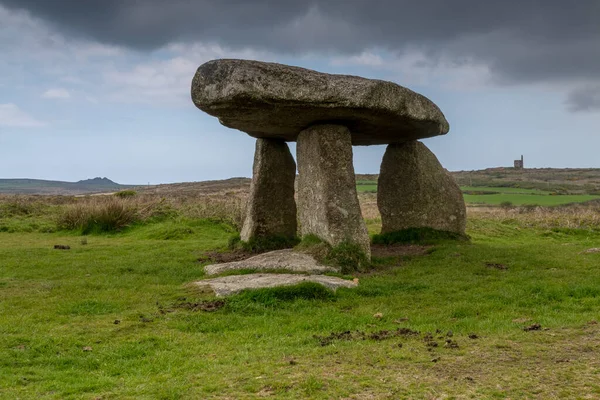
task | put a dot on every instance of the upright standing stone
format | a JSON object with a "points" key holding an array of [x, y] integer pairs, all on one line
{"points": [[415, 191], [271, 209], [327, 199]]}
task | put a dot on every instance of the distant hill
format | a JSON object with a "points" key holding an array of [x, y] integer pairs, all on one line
{"points": [[561, 181], [39, 186]]}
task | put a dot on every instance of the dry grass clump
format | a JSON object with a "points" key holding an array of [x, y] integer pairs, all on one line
{"points": [[27, 205], [222, 208], [107, 215], [114, 213], [368, 206], [576, 216]]}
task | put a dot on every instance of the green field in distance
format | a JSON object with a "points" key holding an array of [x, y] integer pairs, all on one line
{"points": [[487, 195]]}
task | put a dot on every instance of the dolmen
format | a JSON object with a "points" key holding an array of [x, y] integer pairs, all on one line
{"points": [[326, 115]]}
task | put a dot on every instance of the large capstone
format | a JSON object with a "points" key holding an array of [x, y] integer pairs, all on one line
{"points": [[327, 200], [268, 100], [271, 210], [415, 191]]}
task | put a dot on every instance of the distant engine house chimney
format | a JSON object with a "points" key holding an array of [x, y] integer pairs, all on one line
{"points": [[519, 163]]}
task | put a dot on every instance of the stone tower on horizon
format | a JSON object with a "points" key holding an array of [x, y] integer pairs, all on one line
{"points": [[519, 163]]}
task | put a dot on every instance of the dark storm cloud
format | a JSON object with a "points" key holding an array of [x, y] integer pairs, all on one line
{"points": [[521, 40], [584, 99]]}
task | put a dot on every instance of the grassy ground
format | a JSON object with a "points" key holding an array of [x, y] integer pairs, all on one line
{"points": [[507, 190], [366, 186], [519, 199], [565, 181], [486, 195], [112, 318]]}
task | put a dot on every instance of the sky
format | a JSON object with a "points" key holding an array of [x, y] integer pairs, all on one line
{"points": [[102, 87]]}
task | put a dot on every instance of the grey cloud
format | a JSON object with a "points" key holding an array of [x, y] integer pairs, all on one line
{"points": [[521, 40], [584, 99]]}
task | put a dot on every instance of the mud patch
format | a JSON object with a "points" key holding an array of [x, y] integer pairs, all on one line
{"points": [[361, 335], [591, 251], [215, 257], [501, 267], [533, 327], [399, 250], [207, 306]]}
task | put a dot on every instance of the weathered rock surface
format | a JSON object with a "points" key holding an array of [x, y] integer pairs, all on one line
{"points": [[271, 209], [415, 191], [274, 100], [327, 200], [592, 250], [287, 259], [228, 285]]}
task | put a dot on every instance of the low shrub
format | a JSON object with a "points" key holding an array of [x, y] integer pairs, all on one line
{"points": [[125, 193], [349, 257], [313, 245], [21, 206]]}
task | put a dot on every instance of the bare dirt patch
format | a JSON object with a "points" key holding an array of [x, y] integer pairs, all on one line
{"points": [[361, 335], [399, 250], [215, 257], [496, 266], [533, 327], [208, 305]]}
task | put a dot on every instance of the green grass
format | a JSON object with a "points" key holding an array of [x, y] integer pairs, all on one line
{"points": [[528, 199], [499, 195], [59, 338], [502, 190], [366, 186]]}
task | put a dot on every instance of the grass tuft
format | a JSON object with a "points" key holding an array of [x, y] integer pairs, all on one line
{"points": [[125, 193], [110, 216], [349, 257]]}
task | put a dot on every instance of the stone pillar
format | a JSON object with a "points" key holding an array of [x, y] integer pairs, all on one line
{"points": [[327, 200], [415, 191], [271, 209]]}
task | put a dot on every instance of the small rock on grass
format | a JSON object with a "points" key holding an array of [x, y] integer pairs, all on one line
{"points": [[592, 251], [496, 266], [87, 348], [533, 327]]}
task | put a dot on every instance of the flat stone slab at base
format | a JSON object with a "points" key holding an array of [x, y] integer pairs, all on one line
{"points": [[287, 259], [228, 285]]}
